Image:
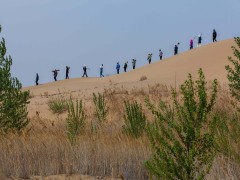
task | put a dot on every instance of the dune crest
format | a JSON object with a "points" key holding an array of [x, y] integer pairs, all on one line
{"points": [[212, 58]]}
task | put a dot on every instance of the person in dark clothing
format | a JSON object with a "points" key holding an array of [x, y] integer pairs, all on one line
{"points": [[176, 49], [199, 40], [160, 54], [37, 79], [214, 36], [125, 66], [134, 63], [101, 71], [67, 72], [191, 44], [84, 71], [55, 73], [118, 67], [149, 58]]}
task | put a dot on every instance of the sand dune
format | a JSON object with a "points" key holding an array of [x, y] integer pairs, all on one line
{"points": [[172, 71], [212, 58]]}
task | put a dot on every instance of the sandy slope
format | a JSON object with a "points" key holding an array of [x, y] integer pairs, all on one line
{"points": [[211, 58]]}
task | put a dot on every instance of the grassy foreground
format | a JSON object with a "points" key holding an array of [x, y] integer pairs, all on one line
{"points": [[43, 148]]}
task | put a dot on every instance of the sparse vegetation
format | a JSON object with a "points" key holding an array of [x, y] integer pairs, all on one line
{"points": [[234, 71], [227, 123], [182, 142], [143, 78], [101, 108], [134, 119], [76, 120], [13, 102], [58, 105], [44, 147], [227, 130]]}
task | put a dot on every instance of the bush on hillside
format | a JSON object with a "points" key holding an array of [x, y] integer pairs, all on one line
{"points": [[143, 78], [57, 105], [182, 143], [134, 119], [233, 71], [101, 108], [75, 120]]}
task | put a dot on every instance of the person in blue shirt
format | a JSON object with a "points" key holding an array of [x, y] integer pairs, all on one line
{"points": [[118, 67]]}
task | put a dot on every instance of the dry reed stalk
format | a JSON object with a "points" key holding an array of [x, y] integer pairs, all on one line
{"points": [[94, 154]]}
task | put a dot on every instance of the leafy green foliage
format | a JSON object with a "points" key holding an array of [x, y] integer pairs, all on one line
{"points": [[234, 71], [75, 120], [228, 126], [227, 134], [13, 102], [101, 108], [182, 143], [58, 105], [135, 119]]}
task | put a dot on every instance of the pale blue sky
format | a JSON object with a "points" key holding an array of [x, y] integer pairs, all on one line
{"points": [[42, 35]]}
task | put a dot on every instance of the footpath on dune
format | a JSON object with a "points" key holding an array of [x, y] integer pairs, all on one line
{"points": [[212, 58]]}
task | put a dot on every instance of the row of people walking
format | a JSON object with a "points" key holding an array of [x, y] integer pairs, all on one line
{"points": [[149, 59], [199, 43]]}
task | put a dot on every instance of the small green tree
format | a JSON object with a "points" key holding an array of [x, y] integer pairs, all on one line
{"points": [[75, 120], [233, 72], [101, 108], [182, 142], [13, 102], [135, 119]]}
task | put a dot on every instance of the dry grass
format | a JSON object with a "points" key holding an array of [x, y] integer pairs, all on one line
{"points": [[44, 151], [43, 148]]}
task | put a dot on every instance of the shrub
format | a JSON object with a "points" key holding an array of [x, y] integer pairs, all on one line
{"points": [[234, 71], [135, 119], [227, 126], [57, 105], [13, 101], [182, 143], [101, 108], [143, 78], [75, 120], [227, 134]]}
